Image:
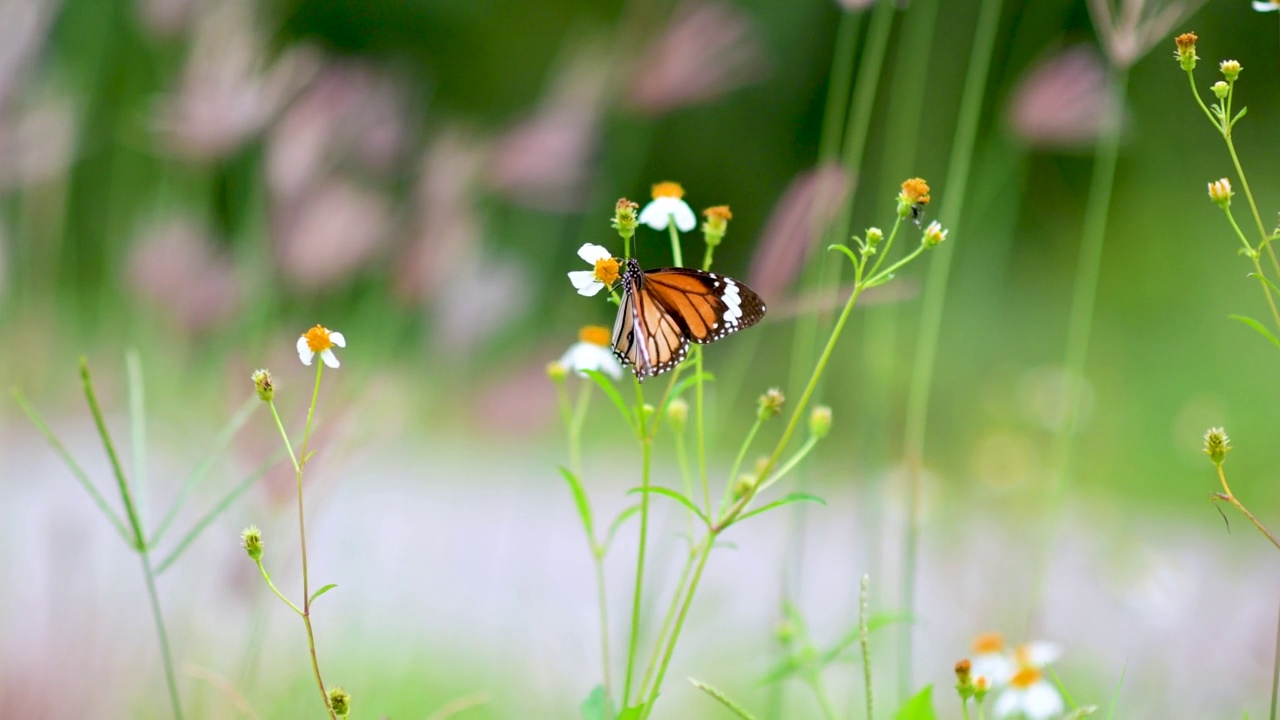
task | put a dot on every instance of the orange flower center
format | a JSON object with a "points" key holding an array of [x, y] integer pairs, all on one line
{"points": [[607, 270], [667, 189], [988, 643], [719, 211], [318, 339], [981, 683], [916, 191], [596, 335], [1025, 677]]}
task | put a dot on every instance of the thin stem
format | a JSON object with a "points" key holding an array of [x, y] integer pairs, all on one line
{"points": [[737, 461], [1244, 183], [666, 620], [602, 599], [646, 448], [1231, 498], [676, 255], [154, 600], [575, 428], [1275, 672], [708, 544], [702, 436], [1257, 267], [964, 707], [820, 692], [864, 601], [267, 577]]}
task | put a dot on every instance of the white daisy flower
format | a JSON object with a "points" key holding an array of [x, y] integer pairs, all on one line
{"points": [[1037, 654], [320, 339], [1265, 5], [593, 351], [1029, 696], [668, 204], [590, 282], [991, 659]]}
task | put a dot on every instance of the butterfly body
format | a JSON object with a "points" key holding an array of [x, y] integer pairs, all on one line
{"points": [[663, 310]]}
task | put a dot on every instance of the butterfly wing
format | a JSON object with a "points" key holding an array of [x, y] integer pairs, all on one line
{"points": [[646, 335], [708, 306]]}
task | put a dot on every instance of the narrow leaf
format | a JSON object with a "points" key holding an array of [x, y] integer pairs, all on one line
{"points": [[580, 499], [784, 500], [137, 538], [81, 476], [667, 492], [1081, 712], [783, 670], [321, 591], [607, 387], [1111, 711], [1239, 115], [919, 707], [1265, 281], [633, 713], [616, 524], [733, 707], [137, 426], [852, 257], [1257, 326], [596, 706]]}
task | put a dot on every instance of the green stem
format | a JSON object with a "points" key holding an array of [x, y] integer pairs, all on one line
{"points": [[820, 692], [1244, 184], [698, 430], [676, 256], [575, 428], [267, 577], [1275, 672], [705, 553], [1257, 267], [737, 461], [646, 448], [667, 619], [964, 707], [154, 599], [602, 599], [864, 603], [921, 384]]}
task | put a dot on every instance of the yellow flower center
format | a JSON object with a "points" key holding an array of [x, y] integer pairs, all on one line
{"points": [[916, 191], [988, 643], [981, 683], [607, 270], [1025, 677], [596, 335], [722, 211], [667, 189], [318, 339]]}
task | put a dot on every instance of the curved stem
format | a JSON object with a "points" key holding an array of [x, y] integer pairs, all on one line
{"points": [[154, 599], [602, 599], [737, 461], [299, 464], [666, 621], [646, 448], [705, 553]]}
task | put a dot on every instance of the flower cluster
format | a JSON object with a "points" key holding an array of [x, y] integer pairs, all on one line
{"points": [[1016, 673]]}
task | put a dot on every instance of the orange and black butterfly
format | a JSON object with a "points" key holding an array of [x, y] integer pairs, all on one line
{"points": [[662, 310]]}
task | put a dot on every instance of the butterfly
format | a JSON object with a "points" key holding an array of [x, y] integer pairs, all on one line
{"points": [[662, 310]]}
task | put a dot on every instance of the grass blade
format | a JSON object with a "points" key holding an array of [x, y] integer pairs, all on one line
{"points": [[137, 426], [723, 699], [580, 499], [138, 539], [1257, 326], [612, 392]]}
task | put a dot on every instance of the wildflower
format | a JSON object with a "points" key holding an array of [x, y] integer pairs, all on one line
{"points": [[934, 234], [1186, 52], [809, 204], [1266, 5], [1029, 696], [820, 421], [1220, 192], [678, 414], [339, 701], [624, 218], [991, 659], [913, 198], [1216, 445], [593, 351], [717, 224], [590, 282], [667, 205], [262, 383], [771, 403], [251, 541], [1230, 69], [320, 339]]}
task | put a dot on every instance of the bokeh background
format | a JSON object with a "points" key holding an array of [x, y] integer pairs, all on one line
{"points": [[201, 180]]}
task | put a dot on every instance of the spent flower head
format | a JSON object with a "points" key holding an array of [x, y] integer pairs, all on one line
{"points": [[717, 223], [263, 384], [339, 701], [771, 403], [1186, 52], [934, 234], [964, 679], [1230, 69], [668, 204], [913, 198], [1220, 193], [604, 273], [320, 339], [593, 351], [624, 218], [1216, 445], [251, 541]]}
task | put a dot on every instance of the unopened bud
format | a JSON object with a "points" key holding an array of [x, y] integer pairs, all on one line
{"points": [[820, 421], [251, 541], [678, 414], [263, 385], [1230, 70], [339, 701]]}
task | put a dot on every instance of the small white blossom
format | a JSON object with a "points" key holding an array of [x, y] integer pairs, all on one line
{"points": [[593, 351], [667, 204], [604, 272], [1265, 5], [320, 339], [1029, 696]]}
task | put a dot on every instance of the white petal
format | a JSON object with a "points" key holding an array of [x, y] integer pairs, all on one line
{"points": [[588, 356], [994, 666], [1261, 6], [585, 282], [329, 358], [304, 351], [1039, 654], [685, 219], [337, 339], [593, 253], [1041, 701], [655, 214], [1009, 702]]}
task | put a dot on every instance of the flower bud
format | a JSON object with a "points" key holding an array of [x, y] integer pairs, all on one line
{"points": [[934, 234], [339, 701], [624, 218], [1220, 193], [743, 486], [981, 686], [263, 385], [1216, 445], [647, 411], [1186, 52], [1230, 70], [251, 541], [678, 414], [874, 236], [964, 679], [820, 421], [1220, 89], [770, 404], [717, 224]]}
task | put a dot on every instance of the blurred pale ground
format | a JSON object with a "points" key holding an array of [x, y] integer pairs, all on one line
{"points": [[203, 180]]}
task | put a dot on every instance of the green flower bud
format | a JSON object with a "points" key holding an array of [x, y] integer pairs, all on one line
{"points": [[263, 385], [678, 414], [1216, 445], [339, 701], [251, 541], [820, 421]]}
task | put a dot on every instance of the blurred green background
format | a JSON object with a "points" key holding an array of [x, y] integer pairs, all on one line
{"points": [[203, 179]]}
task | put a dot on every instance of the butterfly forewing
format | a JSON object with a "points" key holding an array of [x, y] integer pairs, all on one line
{"points": [[663, 310]]}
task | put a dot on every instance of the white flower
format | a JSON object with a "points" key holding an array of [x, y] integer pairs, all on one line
{"points": [[991, 659], [320, 339], [1037, 654], [1029, 696], [667, 204], [593, 351], [1265, 5], [590, 282]]}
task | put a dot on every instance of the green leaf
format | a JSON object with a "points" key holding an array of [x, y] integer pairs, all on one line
{"points": [[1265, 281], [667, 492], [1115, 695], [615, 525], [919, 707], [137, 424], [784, 500], [320, 592], [607, 387], [874, 623], [733, 707], [597, 705], [580, 499], [852, 257], [783, 670], [1257, 326], [633, 713], [1239, 115]]}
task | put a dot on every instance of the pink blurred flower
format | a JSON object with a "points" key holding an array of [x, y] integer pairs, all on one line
{"points": [[855, 5], [175, 266], [348, 114], [806, 209], [165, 18], [544, 160], [227, 93], [708, 49], [24, 28], [331, 233], [482, 296], [1064, 101], [446, 229], [37, 142]]}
